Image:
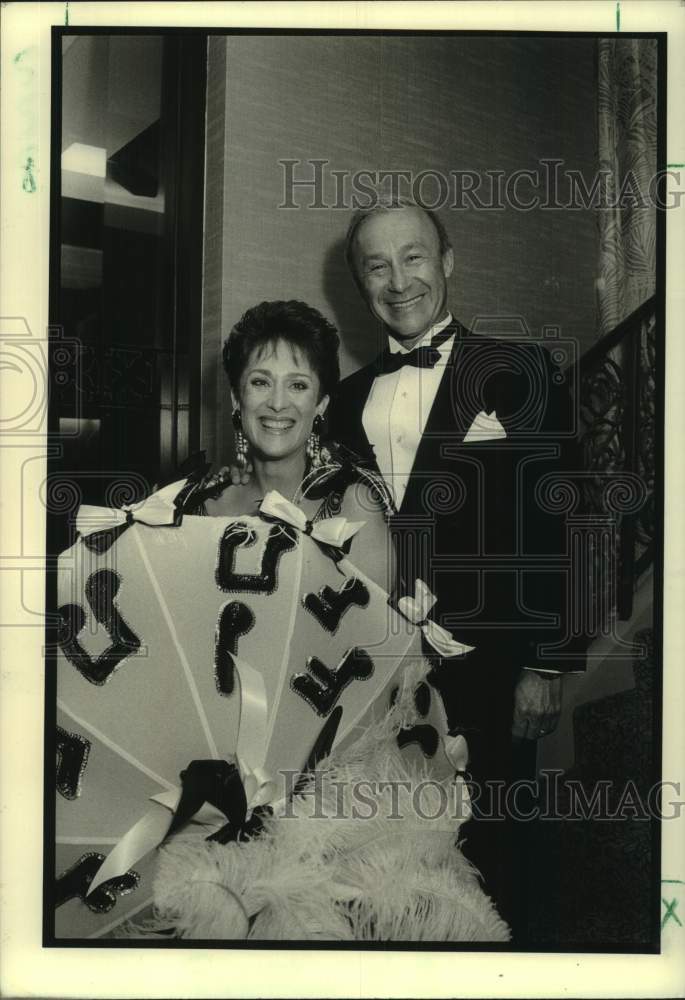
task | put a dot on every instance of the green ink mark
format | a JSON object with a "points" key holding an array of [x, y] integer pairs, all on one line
{"points": [[66, 14], [618, 15], [671, 905], [20, 55], [670, 912], [29, 181], [675, 164]]}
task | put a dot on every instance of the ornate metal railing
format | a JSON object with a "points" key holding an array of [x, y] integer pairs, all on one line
{"points": [[616, 385]]}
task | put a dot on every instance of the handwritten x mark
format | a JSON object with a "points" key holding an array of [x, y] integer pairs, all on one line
{"points": [[670, 912]]}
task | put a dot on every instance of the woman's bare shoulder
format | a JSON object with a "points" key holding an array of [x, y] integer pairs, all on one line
{"points": [[361, 502]]}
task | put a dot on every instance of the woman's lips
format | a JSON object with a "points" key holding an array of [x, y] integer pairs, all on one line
{"points": [[275, 426]]}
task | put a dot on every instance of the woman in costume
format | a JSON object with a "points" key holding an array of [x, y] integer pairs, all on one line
{"points": [[327, 870], [287, 656], [281, 360]]}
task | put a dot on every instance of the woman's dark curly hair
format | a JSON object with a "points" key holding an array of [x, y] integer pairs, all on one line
{"points": [[293, 322]]}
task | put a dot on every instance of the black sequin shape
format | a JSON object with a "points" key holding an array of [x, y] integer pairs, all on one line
{"points": [[101, 589], [321, 749], [324, 741], [235, 619], [422, 699], [75, 882], [331, 506], [281, 539], [101, 541], [322, 687], [72, 757], [426, 736], [329, 605]]}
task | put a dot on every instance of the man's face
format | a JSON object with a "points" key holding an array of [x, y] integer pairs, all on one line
{"points": [[402, 272]]}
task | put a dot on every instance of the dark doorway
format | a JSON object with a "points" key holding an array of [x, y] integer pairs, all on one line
{"points": [[126, 267]]}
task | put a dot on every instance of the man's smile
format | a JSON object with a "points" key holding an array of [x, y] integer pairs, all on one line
{"points": [[406, 303]]}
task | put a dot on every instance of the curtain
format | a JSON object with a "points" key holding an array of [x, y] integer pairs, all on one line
{"points": [[627, 161]]}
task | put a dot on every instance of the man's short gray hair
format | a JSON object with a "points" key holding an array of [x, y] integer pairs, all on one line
{"points": [[386, 204]]}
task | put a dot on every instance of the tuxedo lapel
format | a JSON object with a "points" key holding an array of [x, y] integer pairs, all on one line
{"points": [[348, 408]]}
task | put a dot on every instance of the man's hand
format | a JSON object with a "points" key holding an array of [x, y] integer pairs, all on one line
{"points": [[238, 476], [537, 705], [227, 474]]}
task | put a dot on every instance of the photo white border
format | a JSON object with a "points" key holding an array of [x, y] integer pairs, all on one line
{"points": [[26, 969]]}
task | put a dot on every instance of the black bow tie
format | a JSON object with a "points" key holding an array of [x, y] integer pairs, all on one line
{"points": [[426, 356]]}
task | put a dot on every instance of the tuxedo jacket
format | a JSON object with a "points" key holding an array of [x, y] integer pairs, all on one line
{"points": [[480, 521]]}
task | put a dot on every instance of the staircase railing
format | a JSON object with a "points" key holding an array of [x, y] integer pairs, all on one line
{"points": [[616, 385]]}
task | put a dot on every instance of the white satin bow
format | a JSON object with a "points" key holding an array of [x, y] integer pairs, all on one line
{"points": [[157, 510], [330, 531], [417, 608], [260, 787]]}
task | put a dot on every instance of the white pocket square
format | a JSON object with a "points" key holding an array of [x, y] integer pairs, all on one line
{"points": [[486, 427]]}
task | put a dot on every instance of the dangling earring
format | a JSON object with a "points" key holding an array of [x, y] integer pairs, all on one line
{"points": [[240, 440], [314, 443]]}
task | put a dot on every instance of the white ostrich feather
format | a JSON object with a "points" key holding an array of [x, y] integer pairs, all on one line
{"points": [[312, 875]]}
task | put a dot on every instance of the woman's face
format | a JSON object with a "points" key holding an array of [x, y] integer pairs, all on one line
{"points": [[279, 399]]}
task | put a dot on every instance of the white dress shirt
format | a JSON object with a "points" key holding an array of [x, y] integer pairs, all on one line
{"points": [[397, 410], [396, 414]]}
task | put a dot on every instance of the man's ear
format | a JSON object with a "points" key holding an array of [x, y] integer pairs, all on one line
{"points": [[448, 262], [322, 405]]}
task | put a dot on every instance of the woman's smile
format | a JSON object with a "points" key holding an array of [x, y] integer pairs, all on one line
{"points": [[279, 400], [276, 425]]}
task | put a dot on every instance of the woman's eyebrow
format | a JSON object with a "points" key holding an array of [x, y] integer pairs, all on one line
{"points": [[267, 371]]}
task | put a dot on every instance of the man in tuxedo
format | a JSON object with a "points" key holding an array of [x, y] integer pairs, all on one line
{"points": [[468, 433]]}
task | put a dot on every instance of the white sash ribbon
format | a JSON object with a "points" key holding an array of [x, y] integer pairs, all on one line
{"points": [[330, 531], [260, 787], [157, 510], [416, 609]]}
